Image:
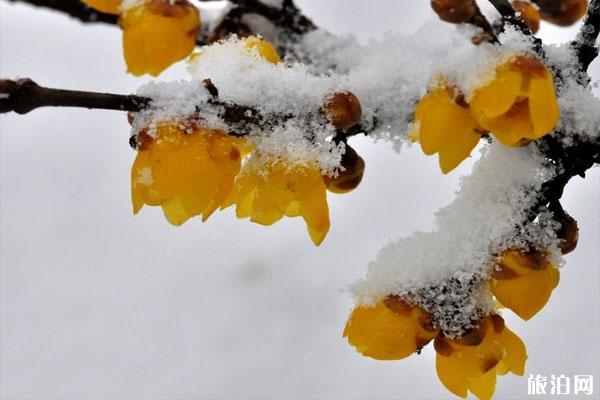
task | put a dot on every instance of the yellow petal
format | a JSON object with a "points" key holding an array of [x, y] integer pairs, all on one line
{"points": [[511, 127], [264, 49], [107, 6], [525, 295], [543, 105], [516, 354], [498, 96], [433, 112], [138, 186], [158, 34], [457, 149], [315, 211], [484, 386], [451, 375], [174, 212], [380, 333]]}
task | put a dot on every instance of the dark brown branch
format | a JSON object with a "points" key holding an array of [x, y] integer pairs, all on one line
{"points": [[585, 43], [481, 21], [24, 95], [73, 8], [288, 18]]}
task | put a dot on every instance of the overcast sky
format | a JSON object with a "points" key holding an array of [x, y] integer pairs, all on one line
{"points": [[97, 303]]}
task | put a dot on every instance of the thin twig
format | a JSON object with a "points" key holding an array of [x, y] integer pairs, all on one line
{"points": [[73, 8], [24, 95], [585, 42], [288, 17]]}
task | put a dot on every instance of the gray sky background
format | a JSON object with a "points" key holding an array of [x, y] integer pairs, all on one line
{"points": [[97, 303]]}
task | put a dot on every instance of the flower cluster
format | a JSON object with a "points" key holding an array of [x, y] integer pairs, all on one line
{"points": [[393, 328], [189, 169], [156, 33], [518, 105]]}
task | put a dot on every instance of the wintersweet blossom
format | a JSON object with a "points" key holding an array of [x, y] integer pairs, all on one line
{"points": [[472, 362], [518, 105], [389, 330], [275, 189], [523, 281], [445, 126], [157, 34], [187, 174]]}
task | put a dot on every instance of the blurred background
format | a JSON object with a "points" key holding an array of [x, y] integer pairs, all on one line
{"points": [[96, 303]]}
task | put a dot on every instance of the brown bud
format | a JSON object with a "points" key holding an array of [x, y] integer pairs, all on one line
{"points": [[568, 232], [351, 177], [562, 12], [455, 11], [528, 13], [130, 118], [343, 110]]}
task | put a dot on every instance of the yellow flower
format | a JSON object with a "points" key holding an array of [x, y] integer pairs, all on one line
{"points": [[446, 127], [523, 282], [107, 6], [389, 330], [186, 174], [268, 193], [264, 49], [158, 33], [472, 362], [519, 104]]}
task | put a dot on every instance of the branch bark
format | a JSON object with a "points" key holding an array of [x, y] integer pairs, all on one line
{"points": [[585, 42], [73, 8], [288, 18]]}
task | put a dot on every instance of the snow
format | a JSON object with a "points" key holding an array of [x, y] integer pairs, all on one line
{"points": [[389, 75], [108, 305], [484, 219]]}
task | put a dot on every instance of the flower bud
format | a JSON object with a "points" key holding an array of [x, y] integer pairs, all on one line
{"points": [[528, 13], [343, 110], [562, 12], [455, 11], [350, 178], [568, 232]]}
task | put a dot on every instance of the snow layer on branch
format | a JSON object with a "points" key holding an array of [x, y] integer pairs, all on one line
{"points": [[243, 78], [579, 109], [287, 95], [444, 270], [389, 75]]}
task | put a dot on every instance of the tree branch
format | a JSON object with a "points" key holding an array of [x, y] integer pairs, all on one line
{"points": [[585, 42], [24, 95], [288, 18], [73, 8]]}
